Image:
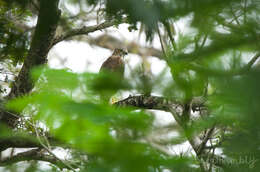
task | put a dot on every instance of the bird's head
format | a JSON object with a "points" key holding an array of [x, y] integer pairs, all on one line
{"points": [[120, 52]]}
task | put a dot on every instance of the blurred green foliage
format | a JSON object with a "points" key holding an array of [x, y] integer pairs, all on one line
{"points": [[236, 106], [14, 42], [111, 134], [208, 61]]}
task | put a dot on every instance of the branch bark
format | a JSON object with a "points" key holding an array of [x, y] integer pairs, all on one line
{"points": [[110, 42], [87, 29], [34, 154], [149, 102], [18, 142]]}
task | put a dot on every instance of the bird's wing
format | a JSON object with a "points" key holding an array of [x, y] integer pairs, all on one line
{"points": [[113, 64]]}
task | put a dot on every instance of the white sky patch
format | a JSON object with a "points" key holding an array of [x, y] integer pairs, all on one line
{"points": [[157, 65], [184, 148], [77, 56], [163, 118]]}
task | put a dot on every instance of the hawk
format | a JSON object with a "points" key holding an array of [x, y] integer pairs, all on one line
{"points": [[115, 63], [114, 66]]}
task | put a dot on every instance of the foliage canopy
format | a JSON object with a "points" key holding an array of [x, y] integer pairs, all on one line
{"points": [[214, 81]]}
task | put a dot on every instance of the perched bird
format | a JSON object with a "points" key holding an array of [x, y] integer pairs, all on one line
{"points": [[115, 63], [113, 68]]}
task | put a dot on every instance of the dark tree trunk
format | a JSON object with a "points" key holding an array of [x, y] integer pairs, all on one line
{"points": [[45, 30]]}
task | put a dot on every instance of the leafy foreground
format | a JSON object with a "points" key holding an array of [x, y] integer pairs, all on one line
{"points": [[213, 82], [103, 137]]}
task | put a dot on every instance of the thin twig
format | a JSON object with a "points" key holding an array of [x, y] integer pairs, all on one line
{"points": [[203, 41], [234, 15], [161, 41], [252, 61], [245, 10], [49, 151]]}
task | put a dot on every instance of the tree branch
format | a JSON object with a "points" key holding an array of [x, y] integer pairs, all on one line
{"points": [[177, 110], [34, 154], [251, 62], [205, 140], [111, 42], [149, 102], [18, 142], [26, 141], [87, 29]]}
